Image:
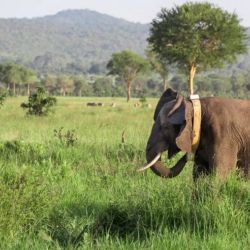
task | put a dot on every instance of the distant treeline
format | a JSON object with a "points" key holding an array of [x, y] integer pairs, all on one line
{"points": [[68, 53], [235, 85]]}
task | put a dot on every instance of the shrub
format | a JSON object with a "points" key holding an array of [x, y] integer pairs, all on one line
{"points": [[40, 103], [68, 138], [3, 95], [143, 100]]}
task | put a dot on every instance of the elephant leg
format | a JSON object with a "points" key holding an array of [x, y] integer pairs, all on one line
{"points": [[247, 171], [224, 159], [243, 165], [200, 170]]}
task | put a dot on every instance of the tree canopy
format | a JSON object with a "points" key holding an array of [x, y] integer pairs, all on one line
{"points": [[197, 36], [127, 65], [159, 65], [12, 73]]}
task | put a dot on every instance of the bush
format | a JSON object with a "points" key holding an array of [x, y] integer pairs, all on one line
{"points": [[40, 103], [68, 138], [3, 95], [143, 100]]}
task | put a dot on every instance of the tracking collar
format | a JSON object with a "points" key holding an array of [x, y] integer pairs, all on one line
{"points": [[195, 99]]}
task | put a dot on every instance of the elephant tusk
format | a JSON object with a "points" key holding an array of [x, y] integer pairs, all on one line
{"points": [[150, 164]]}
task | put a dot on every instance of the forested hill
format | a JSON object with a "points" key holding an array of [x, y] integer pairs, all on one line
{"points": [[70, 41], [75, 41]]}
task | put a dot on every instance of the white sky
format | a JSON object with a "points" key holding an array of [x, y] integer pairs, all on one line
{"points": [[132, 10]]}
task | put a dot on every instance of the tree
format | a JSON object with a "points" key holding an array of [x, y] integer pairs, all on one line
{"points": [[11, 74], [29, 77], [159, 65], [39, 103], [49, 83], [127, 65], [197, 36], [81, 86], [103, 86], [64, 84], [3, 95]]}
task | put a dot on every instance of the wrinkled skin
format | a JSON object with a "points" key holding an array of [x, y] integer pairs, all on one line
{"points": [[225, 135]]}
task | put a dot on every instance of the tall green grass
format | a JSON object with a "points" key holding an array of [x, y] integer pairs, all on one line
{"points": [[88, 196]]}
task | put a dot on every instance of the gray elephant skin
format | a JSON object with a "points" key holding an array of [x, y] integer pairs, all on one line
{"points": [[224, 137]]}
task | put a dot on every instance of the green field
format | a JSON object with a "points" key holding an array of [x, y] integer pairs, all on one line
{"points": [[89, 196]]}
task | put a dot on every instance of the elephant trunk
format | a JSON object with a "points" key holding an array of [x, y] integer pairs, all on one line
{"points": [[159, 169], [155, 146]]}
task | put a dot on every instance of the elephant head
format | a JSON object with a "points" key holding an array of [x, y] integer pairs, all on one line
{"points": [[172, 132]]}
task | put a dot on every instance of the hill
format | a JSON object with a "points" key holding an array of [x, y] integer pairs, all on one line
{"points": [[70, 41], [76, 41]]}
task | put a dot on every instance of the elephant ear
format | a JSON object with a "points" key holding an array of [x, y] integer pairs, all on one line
{"points": [[167, 96], [181, 113], [184, 139]]}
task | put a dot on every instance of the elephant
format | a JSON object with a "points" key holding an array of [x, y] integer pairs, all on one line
{"points": [[224, 136]]}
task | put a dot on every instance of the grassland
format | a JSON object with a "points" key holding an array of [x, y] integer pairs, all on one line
{"points": [[88, 196]]}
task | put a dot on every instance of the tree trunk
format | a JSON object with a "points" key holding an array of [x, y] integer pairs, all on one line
{"points": [[128, 91], [28, 89], [192, 72], [165, 82], [19, 89], [14, 89]]}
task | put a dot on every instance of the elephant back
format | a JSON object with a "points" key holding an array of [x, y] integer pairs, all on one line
{"points": [[166, 97]]}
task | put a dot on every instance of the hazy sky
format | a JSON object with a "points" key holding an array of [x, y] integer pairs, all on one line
{"points": [[133, 10]]}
